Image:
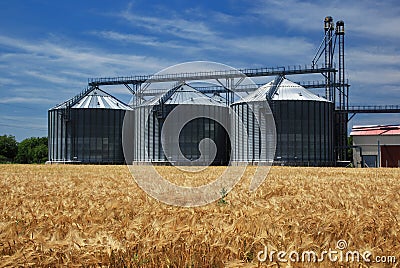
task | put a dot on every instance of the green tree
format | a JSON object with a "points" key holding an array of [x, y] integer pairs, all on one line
{"points": [[32, 150], [8, 148]]}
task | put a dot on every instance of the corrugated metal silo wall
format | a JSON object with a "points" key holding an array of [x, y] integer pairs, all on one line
{"points": [[249, 123], [206, 128], [304, 132], [144, 135], [57, 135], [97, 135], [241, 124], [148, 139], [86, 135]]}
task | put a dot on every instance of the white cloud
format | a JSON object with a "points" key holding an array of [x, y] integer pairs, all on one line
{"points": [[373, 65], [58, 70], [8, 100], [277, 47], [56, 79], [293, 13], [8, 81], [368, 19], [373, 77], [137, 39], [174, 25], [201, 37], [73, 58], [373, 56], [284, 47]]}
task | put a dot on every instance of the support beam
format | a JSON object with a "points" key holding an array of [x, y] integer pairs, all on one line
{"points": [[371, 109], [130, 89], [224, 74]]}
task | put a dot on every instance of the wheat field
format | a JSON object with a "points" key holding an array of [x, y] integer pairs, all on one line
{"points": [[96, 216]]}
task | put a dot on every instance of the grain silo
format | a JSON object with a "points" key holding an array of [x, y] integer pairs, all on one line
{"points": [[187, 147], [87, 129], [304, 124]]}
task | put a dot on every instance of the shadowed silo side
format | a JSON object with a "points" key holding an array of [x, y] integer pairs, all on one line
{"points": [[87, 129], [151, 116], [303, 120]]}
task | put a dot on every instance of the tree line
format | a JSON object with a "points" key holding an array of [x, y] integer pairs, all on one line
{"points": [[29, 151]]}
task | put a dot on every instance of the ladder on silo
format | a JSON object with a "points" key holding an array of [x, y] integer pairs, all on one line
{"points": [[159, 108], [274, 88]]}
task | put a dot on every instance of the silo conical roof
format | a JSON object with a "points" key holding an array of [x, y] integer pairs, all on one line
{"points": [[219, 98], [287, 90], [184, 94], [99, 99], [95, 98]]}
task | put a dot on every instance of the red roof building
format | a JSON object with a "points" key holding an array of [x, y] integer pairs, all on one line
{"points": [[376, 146], [375, 130]]}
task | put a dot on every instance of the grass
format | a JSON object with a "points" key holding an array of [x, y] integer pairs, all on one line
{"points": [[62, 215]]}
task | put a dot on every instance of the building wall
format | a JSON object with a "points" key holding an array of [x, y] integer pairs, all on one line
{"points": [[390, 156], [369, 144]]}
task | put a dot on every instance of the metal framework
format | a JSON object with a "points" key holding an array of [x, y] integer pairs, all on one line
{"points": [[258, 72], [383, 109], [369, 109], [329, 51], [343, 94], [337, 88], [233, 80], [215, 89]]}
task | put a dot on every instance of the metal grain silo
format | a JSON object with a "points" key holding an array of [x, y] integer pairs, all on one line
{"points": [[151, 116], [304, 123], [87, 129]]}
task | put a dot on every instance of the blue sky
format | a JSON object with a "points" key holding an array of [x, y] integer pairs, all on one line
{"points": [[48, 49]]}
